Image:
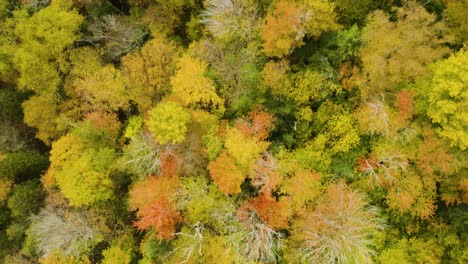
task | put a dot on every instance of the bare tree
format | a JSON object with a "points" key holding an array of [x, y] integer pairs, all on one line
{"points": [[117, 33], [70, 232]]}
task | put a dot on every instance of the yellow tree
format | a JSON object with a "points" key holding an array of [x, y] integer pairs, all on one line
{"points": [[81, 171], [193, 88], [448, 98], [41, 112], [43, 38], [103, 90], [168, 122], [395, 52], [245, 149], [148, 71]]}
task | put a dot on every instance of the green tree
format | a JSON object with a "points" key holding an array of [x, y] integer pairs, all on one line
{"points": [[353, 11], [25, 199], [22, 165], [413, 250]]}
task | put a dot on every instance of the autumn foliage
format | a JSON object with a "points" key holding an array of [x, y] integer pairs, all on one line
{"points": [[233, 131], [153, 200], [226, 174]]}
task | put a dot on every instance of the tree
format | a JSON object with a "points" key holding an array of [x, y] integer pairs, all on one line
{"points": [[276, 213], [255, 240], [204, 203], [82, 178], [22, 165], [310, 85], [303, 187], [448, 98], [153, 198], [226, 174], [26, 199], [274, 75], [421, 41], [231, 20], [413, 250], [14, 134], [118, 34], [57, 257], [376, 117], [350, 12], [72, 233], [103, 90], [435, 161], [405, 104], [5, 188], [141, 156], [117, 255], [243, 148], [43, 37], [337, 229], [168, 122], [41, 112], [284, 29], [164, 17], [290, 21], [455, 18], [258, 124], [266, 174], [193, 88], [148, 71], [107, 123], [335, 126]]}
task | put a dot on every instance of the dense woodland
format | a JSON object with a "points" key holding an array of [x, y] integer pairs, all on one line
{"points": [[233, 131]]}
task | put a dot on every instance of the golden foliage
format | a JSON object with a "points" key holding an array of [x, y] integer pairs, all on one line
{"points": [[303, 187], [148, 71], [395, 52], [243, 148], [41, 112], [290, 21], [284, 29], [5, 187], [274, 74], [168, 122], [194, 89], [103, 90]]}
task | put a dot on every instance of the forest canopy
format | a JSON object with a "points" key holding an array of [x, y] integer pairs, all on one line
{"points": [[233, 131]]}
